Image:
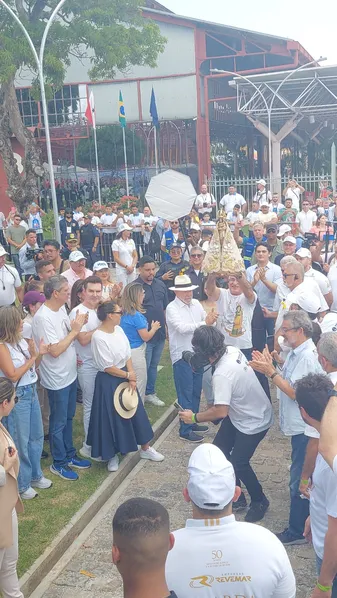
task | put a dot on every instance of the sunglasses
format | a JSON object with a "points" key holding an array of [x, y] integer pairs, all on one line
{"points": [[117, 313]]}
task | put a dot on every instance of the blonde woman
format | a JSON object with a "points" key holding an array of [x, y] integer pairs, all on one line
{"points": [[110, 290], [135, 326], [10, 503], [17, 362]]}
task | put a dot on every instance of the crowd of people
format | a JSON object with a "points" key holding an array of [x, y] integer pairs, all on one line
{"points": [[93, 313]]}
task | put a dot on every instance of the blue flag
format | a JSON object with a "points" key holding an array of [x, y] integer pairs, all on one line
{"points": [[153, 110]]}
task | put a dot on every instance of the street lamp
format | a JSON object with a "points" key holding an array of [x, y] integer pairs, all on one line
{"points": [[39, 63]]}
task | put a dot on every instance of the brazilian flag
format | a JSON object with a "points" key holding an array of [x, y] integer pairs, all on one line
{"points": [[121, 113]]}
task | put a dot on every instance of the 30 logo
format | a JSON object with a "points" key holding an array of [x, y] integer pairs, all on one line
{"points": [[203, 581]]}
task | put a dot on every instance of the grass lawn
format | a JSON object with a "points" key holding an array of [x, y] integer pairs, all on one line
{"points": [[46, 515]]}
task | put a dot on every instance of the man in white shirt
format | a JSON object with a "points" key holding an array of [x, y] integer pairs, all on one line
{"points": [[135, 220], [78, 215], [332, 277], [294, 191], [152, 220], [275, 204], [204, 202], [35, 222], [27, 254], [10, 283], [58, 374], [215, 556], [254, 215], [266, 216], [244, 407], [91, 296], [232, 198], [77, 270], [328, 436], [306, 218], [303, 255], [302, 359], [312, 395], [108, 229], [262, 195], [183, 316]]}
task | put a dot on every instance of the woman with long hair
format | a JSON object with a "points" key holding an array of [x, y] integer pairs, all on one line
{"points": [[18, 359], [118, 422], [110, 290], [125, 255], [10, 503], [135, 326], [321, 228], [75, 295]]}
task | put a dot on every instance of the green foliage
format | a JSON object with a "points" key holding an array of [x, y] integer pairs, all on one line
{"points": [[110, 148]]}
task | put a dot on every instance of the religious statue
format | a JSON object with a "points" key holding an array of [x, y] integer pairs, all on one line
{"points": [[223, 256]]}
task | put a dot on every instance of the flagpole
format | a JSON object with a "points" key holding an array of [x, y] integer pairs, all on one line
{"points": [[97, 169], [126, 163], [155, 149]]}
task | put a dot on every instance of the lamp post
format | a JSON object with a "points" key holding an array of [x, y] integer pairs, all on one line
{"points": [[39, 63]]}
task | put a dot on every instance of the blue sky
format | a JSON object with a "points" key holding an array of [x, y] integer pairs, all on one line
{"points": [[311, 23]]}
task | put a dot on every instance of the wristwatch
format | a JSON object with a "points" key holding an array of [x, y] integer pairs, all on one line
{"points": [[273, 375]]}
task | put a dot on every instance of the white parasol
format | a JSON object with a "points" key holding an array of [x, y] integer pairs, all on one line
{"points": [[170, 195]]}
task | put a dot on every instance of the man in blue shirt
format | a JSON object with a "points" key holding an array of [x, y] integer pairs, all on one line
{"points": [[248, 243]]}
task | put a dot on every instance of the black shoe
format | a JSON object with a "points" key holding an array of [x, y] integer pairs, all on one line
{"points": [[192, 437], [289, 539], [257, 510], [44, 455], [46, 438], [200, 428], [240, 504]]}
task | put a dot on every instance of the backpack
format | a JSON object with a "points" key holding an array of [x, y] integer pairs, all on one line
{"points": [[154, 242]]}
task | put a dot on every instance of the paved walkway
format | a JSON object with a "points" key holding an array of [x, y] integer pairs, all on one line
{"points": [[164, 482]]}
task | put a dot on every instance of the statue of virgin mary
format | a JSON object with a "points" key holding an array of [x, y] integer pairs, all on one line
{"points": [[223, 255]]}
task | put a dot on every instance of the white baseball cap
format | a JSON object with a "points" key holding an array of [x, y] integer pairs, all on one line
{"points": [[3, 251], [195, 226], [123, 226], [284, 228], [100, 266], [261, 182], [76, 256], [211, 484], [303, 252], [289, 239], [310, 303]]}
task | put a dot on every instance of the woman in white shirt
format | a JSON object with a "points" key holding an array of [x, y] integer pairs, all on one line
{"points": [[112, 431], [18, 359], [110, 290], [125, 255]]}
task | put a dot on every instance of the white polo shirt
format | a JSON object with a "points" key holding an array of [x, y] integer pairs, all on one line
{"points": [[235, 384], [204, 198], [323, 503], [230, 200], [235, 319], [332, 276], [225, 558], [306, 220], [322, 281], [294, 193], [9, 281], [182, 320], [106, 221]]}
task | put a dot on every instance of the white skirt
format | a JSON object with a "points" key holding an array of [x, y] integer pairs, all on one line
{"points": [[139, 365]]}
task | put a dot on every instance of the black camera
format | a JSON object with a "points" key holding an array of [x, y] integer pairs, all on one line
{"points": [[195, 360], [310, 240], [32, 253]]}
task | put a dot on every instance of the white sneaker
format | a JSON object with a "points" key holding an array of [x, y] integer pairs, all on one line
{"points": [[42, 483], [113, 463], [85, 451], [154, 400], [151, 454], [29, 493]]}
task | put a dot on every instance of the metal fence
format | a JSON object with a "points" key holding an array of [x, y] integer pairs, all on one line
{"points": [[312, 183]]}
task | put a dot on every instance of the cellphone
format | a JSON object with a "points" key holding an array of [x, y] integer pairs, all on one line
{"points": [[270, 342], [11, 451], [177, 406]]}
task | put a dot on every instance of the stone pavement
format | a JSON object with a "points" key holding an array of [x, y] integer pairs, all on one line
{"points": [[164, 482]]}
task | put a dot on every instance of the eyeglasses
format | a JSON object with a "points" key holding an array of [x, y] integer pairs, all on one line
{"points": [[286, 275], [196, 254], [287, 329]]}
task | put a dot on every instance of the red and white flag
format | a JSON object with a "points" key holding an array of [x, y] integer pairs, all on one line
{"points": [[90, 111]]}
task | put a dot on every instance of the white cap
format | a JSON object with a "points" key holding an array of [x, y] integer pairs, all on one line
{"points": [[303, 252], [284, 228], [3, 251], [195, 226], [211, 484], [264, 203], [289, 239], [310, 303], [76, 256], [205, 246], [261, 182], [99, 266], [123, 226]]}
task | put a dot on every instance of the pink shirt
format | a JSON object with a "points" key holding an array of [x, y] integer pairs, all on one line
{"points": [[71, 276]]}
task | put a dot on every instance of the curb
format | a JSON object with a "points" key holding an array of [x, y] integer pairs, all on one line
{"points": [[43, 565]]}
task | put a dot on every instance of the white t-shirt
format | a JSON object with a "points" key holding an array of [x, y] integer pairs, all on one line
{"points": [[107, 220], [335, 465], [2, 218], [35, 222], [204, 198], [85, 353], [95, 220], [323, 502], [53, 326], [9, 281], [136, 221], [332, 276], [322, 281], [294, 194], [253, 217], [235, 319], [19, 354], [229, 201], [267, 218], [78, 216], [235, 384], [306, 220], [110, 349], [125, 250], [225, 558]]}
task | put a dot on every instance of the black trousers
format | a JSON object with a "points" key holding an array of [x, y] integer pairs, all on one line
{"points": [[239, 449]]}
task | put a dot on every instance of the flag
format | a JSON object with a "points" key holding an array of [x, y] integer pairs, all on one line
{"points": [[90, 111], [153, 110], [121, 113]]}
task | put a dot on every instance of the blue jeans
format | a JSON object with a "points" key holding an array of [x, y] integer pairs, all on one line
{"points": [[153, 353], [334, 585], [62, 405], [299, 507], [24, 424], [16, 262], [188, 386]]}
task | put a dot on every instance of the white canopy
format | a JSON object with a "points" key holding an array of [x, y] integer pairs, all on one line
{"points": [[170, 195]]}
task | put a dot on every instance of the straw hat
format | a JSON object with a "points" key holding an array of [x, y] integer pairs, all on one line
{"points": [[125, 401], [183, 283]]}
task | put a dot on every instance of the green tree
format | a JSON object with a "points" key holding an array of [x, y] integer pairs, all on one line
{"points": [[110, 148], [112, 33]]}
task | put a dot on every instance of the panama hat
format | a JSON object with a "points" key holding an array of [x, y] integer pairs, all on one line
{"points": [[183, 283], [125, 401]]}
